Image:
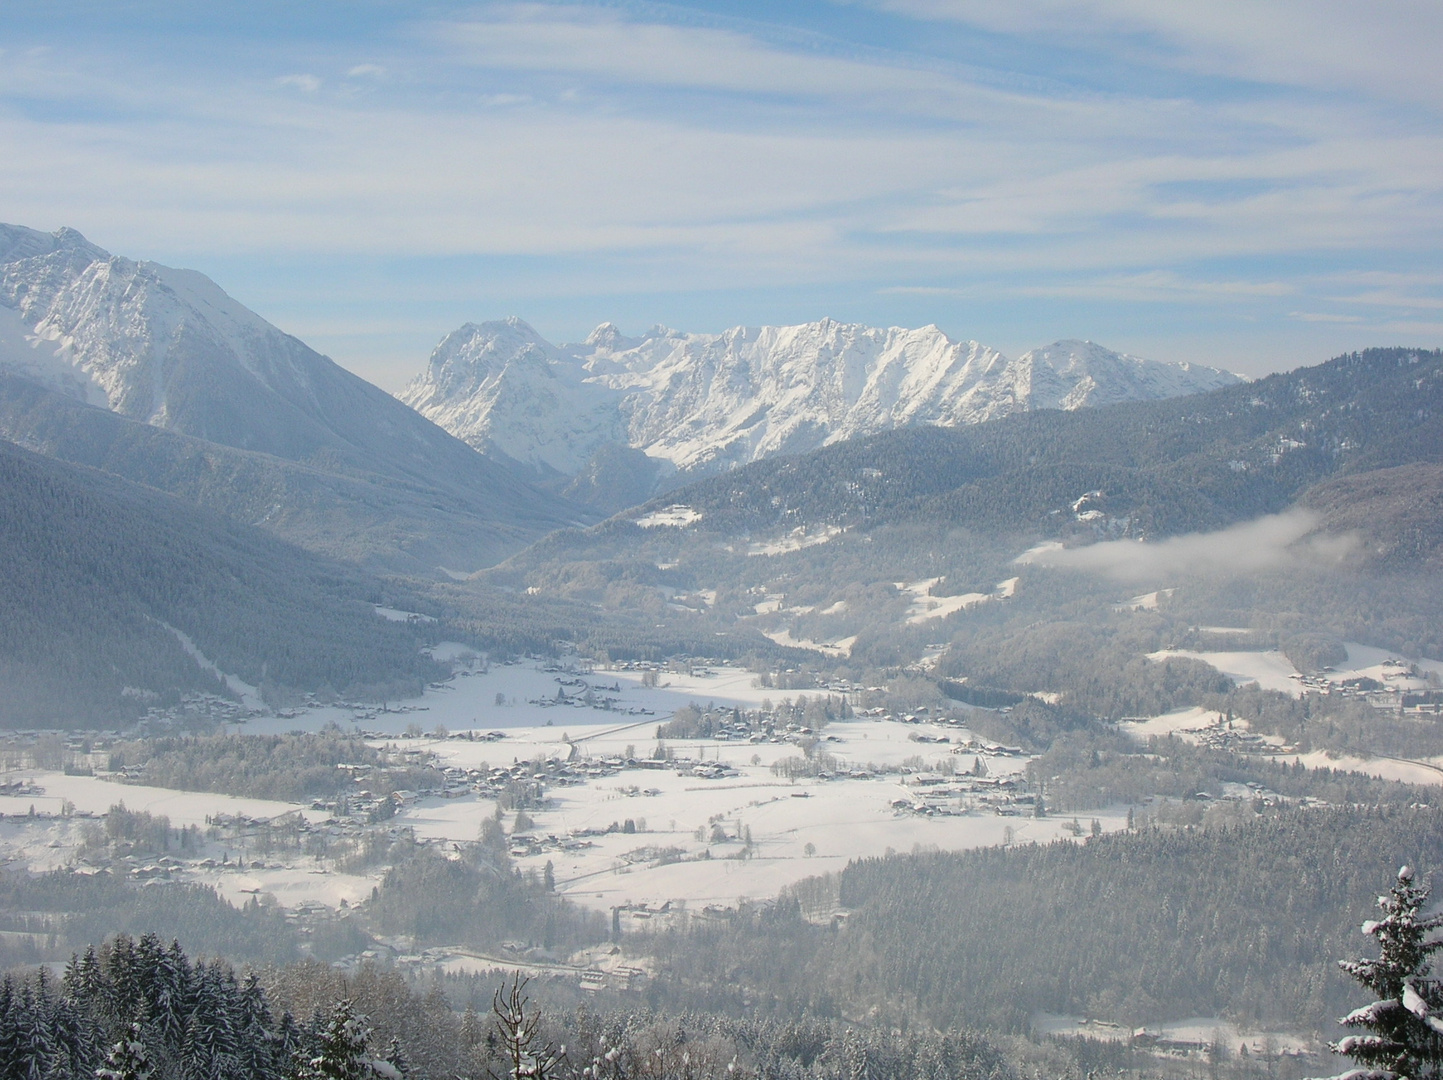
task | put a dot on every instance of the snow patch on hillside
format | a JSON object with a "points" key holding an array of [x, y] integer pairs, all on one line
{"points": [[1270, 669], [672, 517], [795, 540], [925, 606], [842, 647]]}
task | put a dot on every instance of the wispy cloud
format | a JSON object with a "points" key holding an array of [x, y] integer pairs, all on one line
{"points": [[1237, 165], [1310, 43], [309, 83], [1323, 317], [1265, 543]]}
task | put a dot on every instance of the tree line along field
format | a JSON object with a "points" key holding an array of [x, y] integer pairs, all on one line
{"points": [[1243, 921], [140, 1008]]}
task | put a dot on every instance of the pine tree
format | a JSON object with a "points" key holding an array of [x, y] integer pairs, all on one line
{"points": [[342, 1051], [128, 1059], [32, 1051], [257, 1054], [1406, 1022], [396, 1058]]}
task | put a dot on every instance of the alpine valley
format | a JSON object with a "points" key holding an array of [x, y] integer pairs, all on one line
{"points": [[876, 705]]}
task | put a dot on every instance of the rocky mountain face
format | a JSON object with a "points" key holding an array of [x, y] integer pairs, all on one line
{"points": [[168, 349], [704, 402]]}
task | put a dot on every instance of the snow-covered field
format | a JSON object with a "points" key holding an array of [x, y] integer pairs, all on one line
{"points": [[87, 794], [798, 829], [1185, 723], [840, 647], [673, 517], [1200, 1030], [53, 836], [1384, 768], [1271, 670], [523, 695]]}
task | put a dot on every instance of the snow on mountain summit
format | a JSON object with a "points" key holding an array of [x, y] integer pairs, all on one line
{"points": [[170, 348], [500, 387], [708, 401], [121, 331]]}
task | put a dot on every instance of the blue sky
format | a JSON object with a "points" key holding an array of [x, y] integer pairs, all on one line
{"points": [[1254, 186]]}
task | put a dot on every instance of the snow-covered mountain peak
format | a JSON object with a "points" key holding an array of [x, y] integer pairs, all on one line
{"points": [[708, 401], [608, 338], [1073, 374], [18, 242], [503, 388], [120, 326], [170, 348], [467, 358]]}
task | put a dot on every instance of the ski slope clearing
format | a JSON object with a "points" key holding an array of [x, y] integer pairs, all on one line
{"points": [[1145, 601], [839, 648], [925, 607]]}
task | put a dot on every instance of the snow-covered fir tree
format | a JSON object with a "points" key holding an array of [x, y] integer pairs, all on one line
{"points": [[341, 1054], [128, 1059], [1405, 1023]]}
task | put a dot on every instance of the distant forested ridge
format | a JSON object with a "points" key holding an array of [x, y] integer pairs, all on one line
{"points": [[100, 574]]}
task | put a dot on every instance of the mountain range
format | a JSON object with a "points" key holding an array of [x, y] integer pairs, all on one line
{"points": [[157, 375], [700, 403], [1356, 441], [223, 499]]}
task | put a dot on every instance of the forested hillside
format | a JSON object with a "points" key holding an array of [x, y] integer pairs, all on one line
{"points": [[1157, 468], [142, 1008], [1244, 921], [101, 574], [356, 510]]}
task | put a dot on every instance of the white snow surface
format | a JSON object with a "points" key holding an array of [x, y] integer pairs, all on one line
{"points": [[50, 841], [1271, 670], [708, 401], [500, 387], [924, 606], [101, 327], [842, 819], [671, 517]]}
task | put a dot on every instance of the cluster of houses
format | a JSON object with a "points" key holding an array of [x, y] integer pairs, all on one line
{"points": [[1399, 687], [937, 795]]}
